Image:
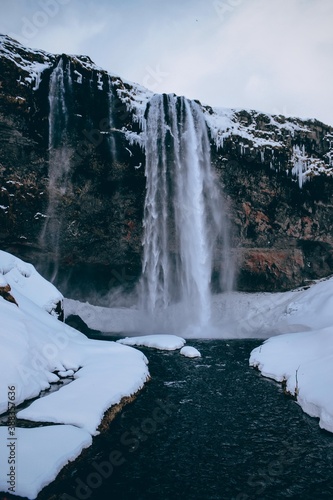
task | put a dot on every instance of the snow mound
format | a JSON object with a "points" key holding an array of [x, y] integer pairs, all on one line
{"points": [[31, 62], [313, 307], [54, 446], [190, 352], [163, 342], [36, 349], [23, 278], [304, 360], [108, 372]]}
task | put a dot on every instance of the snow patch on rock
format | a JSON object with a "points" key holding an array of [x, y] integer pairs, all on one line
{"points": [[163, 342], [190, 352], [23, 278]]}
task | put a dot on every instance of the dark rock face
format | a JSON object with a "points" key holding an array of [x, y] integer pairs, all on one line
{"points": [[101, 211], [76, 322], [59, 311], [281, 232]]}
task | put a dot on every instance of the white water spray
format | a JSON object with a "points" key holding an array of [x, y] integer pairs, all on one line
{"points": [[184, 217]]}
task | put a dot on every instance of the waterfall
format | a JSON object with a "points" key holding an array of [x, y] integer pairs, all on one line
{"points": [[184, 216], [59, 162], [111, 139]]}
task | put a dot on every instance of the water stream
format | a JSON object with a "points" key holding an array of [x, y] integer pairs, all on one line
{"points": [[205, 429]]}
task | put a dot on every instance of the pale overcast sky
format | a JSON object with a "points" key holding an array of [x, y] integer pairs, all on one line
{"points": [[269, 55]]}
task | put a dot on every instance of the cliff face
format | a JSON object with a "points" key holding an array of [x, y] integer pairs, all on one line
{"points": [[277, 174], [72, 178]]}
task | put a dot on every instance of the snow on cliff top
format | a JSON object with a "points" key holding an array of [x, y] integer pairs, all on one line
{"points": [[222, 122], [30, 61], [225, 122], [34, 61]]}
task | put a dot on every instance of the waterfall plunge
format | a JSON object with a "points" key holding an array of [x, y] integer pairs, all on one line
{"points": [[184, 218]]}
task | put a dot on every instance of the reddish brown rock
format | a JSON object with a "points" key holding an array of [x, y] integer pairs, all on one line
{"points": [[5, 293]]}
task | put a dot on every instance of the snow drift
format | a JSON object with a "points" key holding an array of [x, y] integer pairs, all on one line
{"points": [[38, 350]]}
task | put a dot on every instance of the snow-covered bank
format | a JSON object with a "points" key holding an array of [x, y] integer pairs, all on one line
{"points": [[105, 373], [36, 350], [304, 360], [104, 319], [41, 453], [24, 278]]}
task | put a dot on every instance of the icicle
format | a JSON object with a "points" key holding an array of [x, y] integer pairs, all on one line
{"points": [[79, 77], [300, 164], [99, 81]]}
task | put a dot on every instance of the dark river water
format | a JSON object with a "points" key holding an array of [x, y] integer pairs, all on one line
{"points": [[205, 429]]}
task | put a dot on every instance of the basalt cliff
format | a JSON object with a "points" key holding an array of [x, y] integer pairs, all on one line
{"points": [[72, 174]]}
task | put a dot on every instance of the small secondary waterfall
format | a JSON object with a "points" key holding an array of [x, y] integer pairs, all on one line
{"points": [[59, 161], [184, 215], [111, 139]]}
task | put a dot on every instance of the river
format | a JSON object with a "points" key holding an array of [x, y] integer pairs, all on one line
{"points": [[209, 428]]}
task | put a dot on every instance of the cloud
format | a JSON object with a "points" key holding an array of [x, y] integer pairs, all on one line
{"points": [[273, 56], [264, 57]]}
